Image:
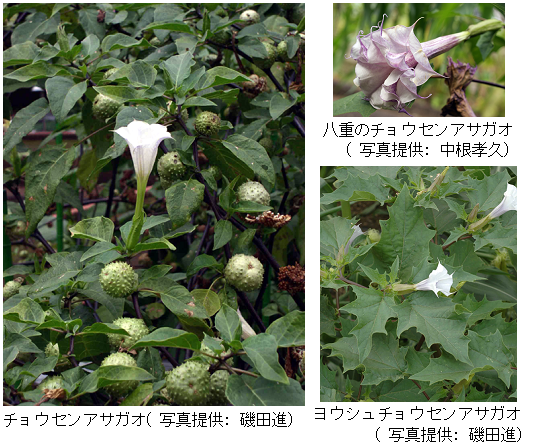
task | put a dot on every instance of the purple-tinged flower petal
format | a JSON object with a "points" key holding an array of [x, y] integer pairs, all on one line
{"points": [[391, 64]]}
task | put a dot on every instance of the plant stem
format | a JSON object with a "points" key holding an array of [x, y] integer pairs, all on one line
{"points": [[346, 210]]}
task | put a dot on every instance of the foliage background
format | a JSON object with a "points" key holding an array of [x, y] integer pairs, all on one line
{"points": [[438, 19]]}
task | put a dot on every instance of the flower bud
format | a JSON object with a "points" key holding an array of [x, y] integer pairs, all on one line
{"points": [[500, 260], [460, 285], [438, 180], [374, 236], [403, 288], [474, 213]]}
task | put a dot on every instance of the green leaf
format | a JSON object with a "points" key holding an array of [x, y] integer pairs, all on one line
{"points": [[169, 338], [20, 54], [140, 396], [489, 191], [179, 68], [347, 349], [37, 70], [250, 207], [208, 299], [358, 187], [249, 391], [89, 21], [97, 249], [24, 122], [182, 199], [373, 310], [289, 330], [153, 244], [103, 328], [353, 103], [279, 104], [27, 311], [98, 229], [120, 41], [386, 360], [221, 75], [170, 26], [139, 73], [223, 232], [120, 93], [63, 94], [498, 237], [228, 324], [480, 310], [114, 305], [404, 235], [262, 350]]}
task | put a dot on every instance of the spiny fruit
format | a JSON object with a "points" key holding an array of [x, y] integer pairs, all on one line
{"points": [[282, 51], [53, 387], [244, 272], [120, 387], [134, 326], [253, 191], [267, 62], [189, 384], [118, 279], [207, 123], [170, 167], [12, 288], [218, 385], [250, 16], [222, 37], [255, 86], [266, 143], [63, 363], [215, 171], [104, 107]]}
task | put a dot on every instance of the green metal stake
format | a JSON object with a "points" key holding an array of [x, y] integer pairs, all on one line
{"points": [[8, 260], [59, 209]]}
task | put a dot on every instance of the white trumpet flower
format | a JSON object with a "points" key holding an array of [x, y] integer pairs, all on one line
{"points": [[439, 280], [357, 232], [143, 140], [509, 202], [247, 330]]}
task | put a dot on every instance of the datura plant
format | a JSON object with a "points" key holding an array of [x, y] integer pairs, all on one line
{"points": [[391, 63], [425, 309]]}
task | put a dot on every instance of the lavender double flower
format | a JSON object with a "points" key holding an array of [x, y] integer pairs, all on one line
{"points": [[392, 63]]}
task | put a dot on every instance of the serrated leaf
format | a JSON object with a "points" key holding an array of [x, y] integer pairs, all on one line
{"points": [[353, 103]]}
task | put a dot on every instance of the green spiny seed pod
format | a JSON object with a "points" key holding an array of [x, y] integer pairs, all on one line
{"points": [[170, 167], [184, 114], [218, 385], [53, 387], [250, 16], [266, 143], [110, 73], [189, 384], [11, 288], [244, 272], [215, 171], [207, 123], [222, 38], [121, 387], [267, 62], [118, 279], [104, 107], [282, 51], [52, 349], [63, 363], [136, 329], [253, 191]]}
